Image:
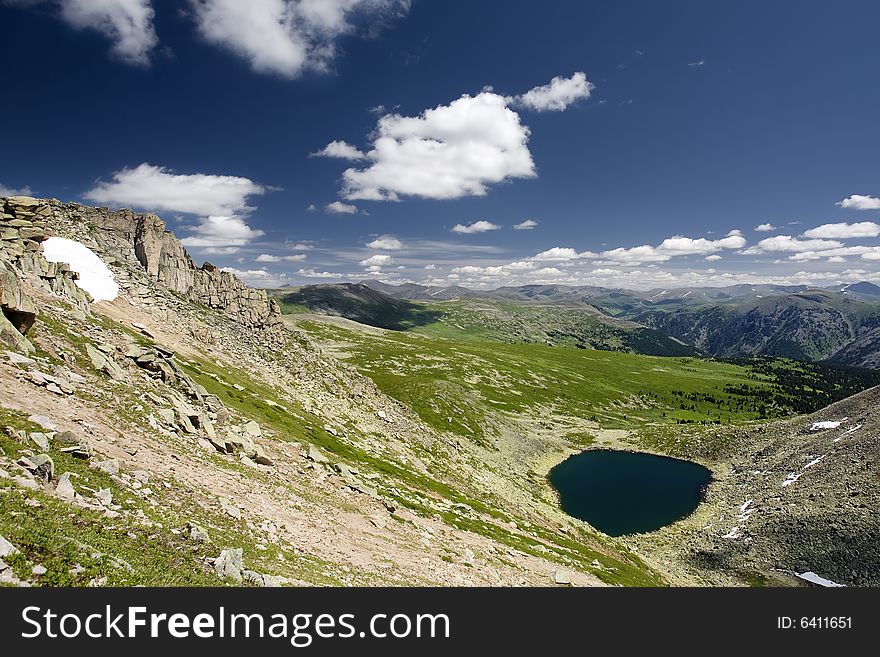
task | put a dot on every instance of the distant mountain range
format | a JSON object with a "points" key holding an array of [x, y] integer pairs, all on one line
{"points": [[840, 324]]}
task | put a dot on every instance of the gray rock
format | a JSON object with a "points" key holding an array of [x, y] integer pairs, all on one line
{"points": [[65, 489], [18, 359], [110, 466], [561, 577], [230, 564], [197, 533], [41, 440], [6, 548], [252, 430], [43, 421], [316, 455]]}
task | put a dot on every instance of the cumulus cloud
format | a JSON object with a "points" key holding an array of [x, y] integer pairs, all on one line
{"points": [[221, 232], [844, 231], [480, 226], [220, 201], [379, 260], [559, 254], [288, 37], [672, 247], [712, 258], [859, 202], [127, 23], [338, 207], [448, 152], [149, 187], [787, 243], [765, 228], [12, 191], [835, 254], [341, 150], [528, 224], [557, 95], [385, 243]]}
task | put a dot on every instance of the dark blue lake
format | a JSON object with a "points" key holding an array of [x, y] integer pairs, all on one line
{"points": [[628, 492]]}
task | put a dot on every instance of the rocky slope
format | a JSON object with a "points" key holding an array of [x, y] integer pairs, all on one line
{"points": [[180, 434], [787, 497]]}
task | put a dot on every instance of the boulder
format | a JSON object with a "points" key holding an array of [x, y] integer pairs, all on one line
{"points": [[65, 489], [6, 548], [230, 564], [316, 455]]}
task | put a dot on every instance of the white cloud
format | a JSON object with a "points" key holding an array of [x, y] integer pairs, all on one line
{"points": [[94, 276], [220, 201], [338, 207], [712, 258], [287, 37], [312, 208], [266, 257], [859, 202], [845, 231], [298, 246], [520, 265], [528, 224], [341, 150], [149, 187], [765, 228], [379, 260], [127, 23], [480, 226], [430, 267], [311, 273], [385, 243], [866, 252], [558, 254], [698, 63], [557, 95], [11, 191], [448, 152], [672, 247], [787, 243], [221, 232]]}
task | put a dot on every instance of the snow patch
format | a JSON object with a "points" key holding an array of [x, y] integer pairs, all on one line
{"points": [[828, 424], [848, 432], [813, 578], [94, 276]]}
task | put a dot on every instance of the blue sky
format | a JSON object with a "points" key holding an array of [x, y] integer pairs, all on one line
{"points": [[643, 142]]}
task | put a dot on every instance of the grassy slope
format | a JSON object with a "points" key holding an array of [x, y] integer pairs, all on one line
{"points": [[457, 385]]}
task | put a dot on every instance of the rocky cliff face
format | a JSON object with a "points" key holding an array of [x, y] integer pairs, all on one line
{"points": [[126, 240]]}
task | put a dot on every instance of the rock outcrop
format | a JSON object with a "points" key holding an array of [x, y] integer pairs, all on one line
{"points": [[123, 238]]}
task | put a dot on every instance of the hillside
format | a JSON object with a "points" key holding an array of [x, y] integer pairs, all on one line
{"points": [[358, 303], [473, 316], [791, 496], [812, 325], [180, 434]]}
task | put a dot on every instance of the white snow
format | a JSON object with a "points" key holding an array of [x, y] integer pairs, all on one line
{"points": [[733, 533], [813, 462], [94, 276], [813, 578], [848, 432], [791, 478], [827, 424]]}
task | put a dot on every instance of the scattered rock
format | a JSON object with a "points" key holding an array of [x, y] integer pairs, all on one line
{"points": [[43, 421], [230, 509], [252, 430], [18, 359], [196, 533], [230, 564], [110, 466], [6, 548], [562, 578], [316, 455], [38, 570], [65, 489]]}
